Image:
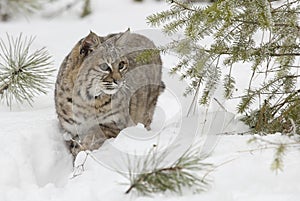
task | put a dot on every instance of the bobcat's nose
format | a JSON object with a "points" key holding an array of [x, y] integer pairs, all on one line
{"points": [[117, 77]]}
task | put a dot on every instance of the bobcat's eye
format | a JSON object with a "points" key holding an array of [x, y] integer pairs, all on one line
{"points": [[104, 67], [122, 65]]}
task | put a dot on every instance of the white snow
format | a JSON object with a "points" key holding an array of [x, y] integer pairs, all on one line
{"points": [[35, 165]]}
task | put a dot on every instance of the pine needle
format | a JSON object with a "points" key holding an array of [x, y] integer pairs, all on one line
{"points": [[23, 74]]}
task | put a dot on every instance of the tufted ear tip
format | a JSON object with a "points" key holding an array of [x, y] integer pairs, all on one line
{"points": [[91, 38], [122, 38], [89, 43]]}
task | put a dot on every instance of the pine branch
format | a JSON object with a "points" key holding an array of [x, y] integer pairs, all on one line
{"points": [[182, 5], [233, 26], [10, 8], [86, 9], [144, 177], [284, 54], [150, 175], [23, 75], [276, 24]]}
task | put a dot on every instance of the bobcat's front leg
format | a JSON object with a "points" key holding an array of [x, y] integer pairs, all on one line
{"points": [[92, 139]]}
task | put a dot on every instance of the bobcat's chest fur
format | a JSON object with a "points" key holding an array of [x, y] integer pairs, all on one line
{"points": [[102, 110]]}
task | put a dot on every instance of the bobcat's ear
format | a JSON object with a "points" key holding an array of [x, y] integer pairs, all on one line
{"points": [[89, 43], [123, 38]]}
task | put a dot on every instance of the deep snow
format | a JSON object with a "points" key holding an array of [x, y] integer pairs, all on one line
{"points": [[35, 165]]}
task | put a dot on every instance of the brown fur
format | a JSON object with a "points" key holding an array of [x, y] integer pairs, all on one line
{"points": [[102, 88]]}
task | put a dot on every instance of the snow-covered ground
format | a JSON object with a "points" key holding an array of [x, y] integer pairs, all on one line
{"points": [[35, 165]]}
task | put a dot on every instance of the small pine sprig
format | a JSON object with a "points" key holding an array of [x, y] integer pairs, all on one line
{"points": [[277, 163], [150, 175], [9, 8], [86, 10], [59, 9], [280, 149], [23, 74]]}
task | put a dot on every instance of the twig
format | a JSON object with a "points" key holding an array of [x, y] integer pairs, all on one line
{"points": [[277, 143], [4, 87], [182, 5], [152, 173], [88, 154], [194, 101], [79, 168], [256, 149], [218, 102], [217, 166]]}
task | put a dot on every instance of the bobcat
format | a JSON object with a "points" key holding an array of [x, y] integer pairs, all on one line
{"points": [[102, 87]]}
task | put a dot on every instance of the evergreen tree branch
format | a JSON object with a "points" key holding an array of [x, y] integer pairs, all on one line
{"points": [[86, 8], [269, 54], [182, 5], [10, 8], [233, 24], [276, 24], [151, 175], [23, 74]]}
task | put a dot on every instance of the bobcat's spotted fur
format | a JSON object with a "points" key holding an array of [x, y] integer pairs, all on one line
{"points": [[102, 88]]}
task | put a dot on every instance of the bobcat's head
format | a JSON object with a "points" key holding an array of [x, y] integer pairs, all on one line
{"points": [[111, 74], [105, 66]]}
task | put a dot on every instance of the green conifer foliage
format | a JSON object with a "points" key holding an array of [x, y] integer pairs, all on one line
{"points": [[9, 8], [151, 175], [23, 73], [86, 9], [261, 33]]}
